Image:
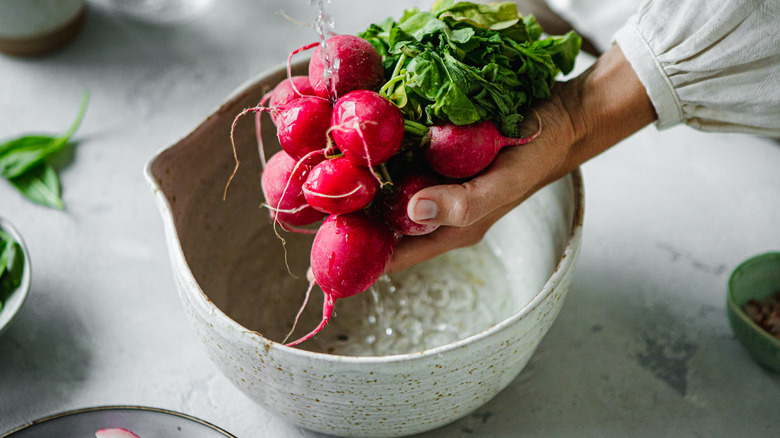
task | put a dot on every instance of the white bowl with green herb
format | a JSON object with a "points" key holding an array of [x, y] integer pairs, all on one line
{"points": [[15, 273]]}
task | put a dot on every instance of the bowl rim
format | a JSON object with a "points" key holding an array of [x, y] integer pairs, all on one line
{"points": [[565, 263], [24, 286], [732, 302], [112, 408]]}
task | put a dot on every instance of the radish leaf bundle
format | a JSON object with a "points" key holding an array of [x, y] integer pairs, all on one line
{"points": [[465, 63]]}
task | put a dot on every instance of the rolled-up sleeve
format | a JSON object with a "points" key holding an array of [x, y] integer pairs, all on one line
{"points": [[711, 64]]}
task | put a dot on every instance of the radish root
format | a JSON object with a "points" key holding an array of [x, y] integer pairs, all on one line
{"points": [[258, 128], [233, 142], [278, 205], [323, 195], [289, 63], [327, 312], [300, 311]]}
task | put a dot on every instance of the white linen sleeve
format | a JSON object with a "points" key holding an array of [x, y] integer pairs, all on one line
{"points": [[711, 64], [596, 20]]}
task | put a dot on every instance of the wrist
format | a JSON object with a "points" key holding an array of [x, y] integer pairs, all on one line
{"points": [[605, 104]]}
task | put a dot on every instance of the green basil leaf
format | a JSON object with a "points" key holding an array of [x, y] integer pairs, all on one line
{"points": [[21, 159], [24, 142], [79, 117], [23, 162], [40, 185]]}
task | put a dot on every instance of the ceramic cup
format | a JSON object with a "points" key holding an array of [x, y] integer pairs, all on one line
{"points": [[35, 27]]}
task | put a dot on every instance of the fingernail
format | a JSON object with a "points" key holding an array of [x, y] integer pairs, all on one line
{"points": [[424, 209]]}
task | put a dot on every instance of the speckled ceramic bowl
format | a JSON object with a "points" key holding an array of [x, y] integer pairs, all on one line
{"points": [[232, 280]]}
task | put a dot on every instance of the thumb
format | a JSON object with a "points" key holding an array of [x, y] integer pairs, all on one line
{"points": [[458, 205], [514, 174]]}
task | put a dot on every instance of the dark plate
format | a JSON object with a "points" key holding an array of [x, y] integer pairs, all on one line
{"points": [[142, 421]]}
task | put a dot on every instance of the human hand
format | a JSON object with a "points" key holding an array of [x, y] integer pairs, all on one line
{"points": [[581, 119]]}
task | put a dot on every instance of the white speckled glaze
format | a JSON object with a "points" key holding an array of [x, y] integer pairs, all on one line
{"points": [[225, 263]]}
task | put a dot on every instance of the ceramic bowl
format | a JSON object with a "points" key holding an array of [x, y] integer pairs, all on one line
{"points": [[755, 279], [14, 302], [232, 280]]}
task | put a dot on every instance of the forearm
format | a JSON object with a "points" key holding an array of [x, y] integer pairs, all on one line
{"points": [[605, 104]]}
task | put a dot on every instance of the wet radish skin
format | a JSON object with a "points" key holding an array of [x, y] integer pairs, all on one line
{"points": [[359, 67], [274, 181], [329, 182], [350, 252], [393, 206], [380, 121], [284, 92], [302, 126]]}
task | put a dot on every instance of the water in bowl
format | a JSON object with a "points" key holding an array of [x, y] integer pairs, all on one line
{"points": [[454, 296]]}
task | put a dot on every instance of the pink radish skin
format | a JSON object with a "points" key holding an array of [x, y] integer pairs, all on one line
{"points": [[367, 127], [394, 206], [464, 151], [283, 175], [302, 126], [337, 186], [286, 91], [349, 254], [290, 89], [115, 433], [358, 66]]}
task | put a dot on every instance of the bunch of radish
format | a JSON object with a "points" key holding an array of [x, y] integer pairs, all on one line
{"points": [[337, 134]]}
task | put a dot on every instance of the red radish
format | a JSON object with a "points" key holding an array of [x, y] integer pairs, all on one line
{"points": [[115, 432], [355, 65], [290, 89], [464, 151], [394, 206], [349, 254], [367, 127], [337, 186], [285, 92], [302, 126], [281, 182]]}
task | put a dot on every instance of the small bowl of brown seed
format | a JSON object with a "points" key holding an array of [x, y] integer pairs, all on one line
{"points": [[753, 307]]}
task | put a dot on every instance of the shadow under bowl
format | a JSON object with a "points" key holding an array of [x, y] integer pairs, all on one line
{"points": [[757, 278], [232, 279]]}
